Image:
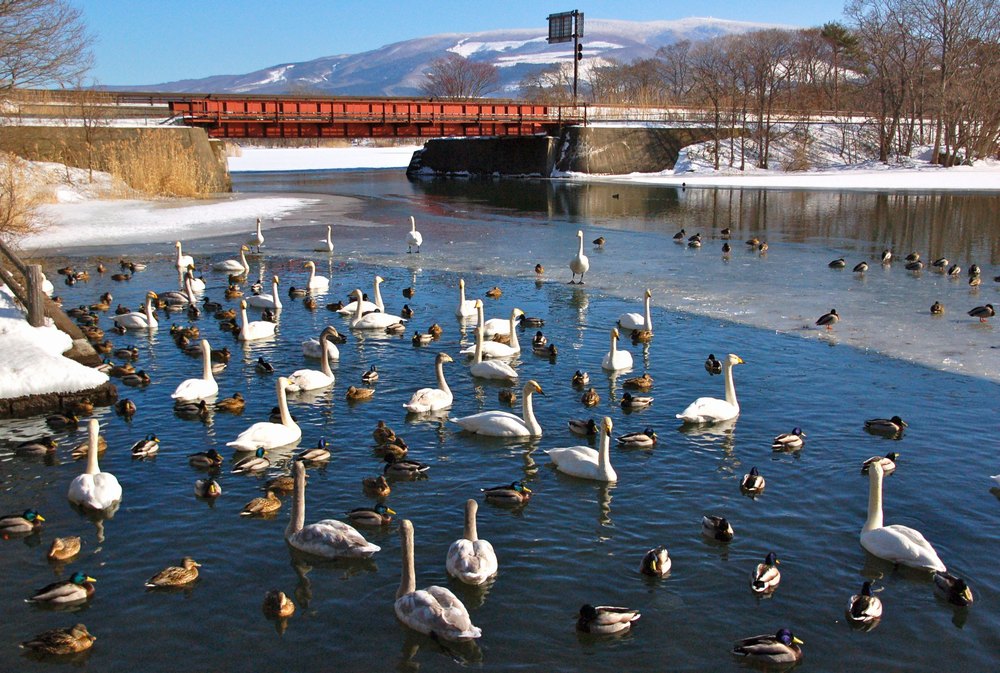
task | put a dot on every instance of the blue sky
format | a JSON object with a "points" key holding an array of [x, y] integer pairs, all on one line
{"points": [[142, 42]]}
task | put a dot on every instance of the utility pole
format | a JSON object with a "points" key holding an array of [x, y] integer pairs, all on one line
{"points": [[566, 26]]}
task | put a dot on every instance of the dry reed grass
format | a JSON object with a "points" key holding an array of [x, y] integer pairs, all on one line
{"points": [[157, 163]]}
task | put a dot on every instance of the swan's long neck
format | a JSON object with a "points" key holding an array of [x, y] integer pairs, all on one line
{"points": [[408, 577], [461, 296], [874, 501], [298, 518], [274, 291], [243, 261], [92, 466], [286, 418], [478, 356], [206, 361], [579, 253], [648, 317], [603, 452], [528, 409], [730, 387], [513, 332], [179, 253], [243, 316], [189, 287], [481, 317], [357, 304], [329, 237], [324, 357], [614, 346], [312, 274], [260, 235], [442, 384], [149, 311], [413, 225], [471, 507], [378, 297]]}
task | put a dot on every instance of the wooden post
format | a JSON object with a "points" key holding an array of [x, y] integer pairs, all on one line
{"points": [[36, 298]]}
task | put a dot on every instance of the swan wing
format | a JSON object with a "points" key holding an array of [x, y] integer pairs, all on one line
{"points": [[333, 539], [904, 545], [579, 461], [258, 329], [493, 369], [428, 399], [376, 321], [268, 435], [496, 326], [309, 379], [632, 321], [351, 308], [131, 320], [311, 349], [436, 610], [492, 349], [471, 562], [260, 300], [494, 424], [709, 410], [192, 390]]}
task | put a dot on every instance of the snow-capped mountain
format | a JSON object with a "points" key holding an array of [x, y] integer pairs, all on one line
{"points": [[398, 69]]}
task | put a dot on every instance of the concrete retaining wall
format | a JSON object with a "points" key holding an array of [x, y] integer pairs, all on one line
{"points": [[502, 155]]}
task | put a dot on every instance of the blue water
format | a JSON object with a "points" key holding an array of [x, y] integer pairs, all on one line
{"points": [[576, 541]]}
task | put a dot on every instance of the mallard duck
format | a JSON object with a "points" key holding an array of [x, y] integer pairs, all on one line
{"points": [[789, 441], [599, 242], [382, 433], [316, 455], [539, 269], [127, 353], [644, 382], [376, 487], [277, 605], [17, 524], [258, 462], [121, 276], [752, 483], [406, 312], [193, 410], [886, 426], [209, 459], [397, 468], [712, 365], [175, 576], [494, 293], [379, 515], [283, 484], [80, 450], [370, 376], [975, 281], [888, 463], [864, 609], [638, 440], [207, 488], [119, 371], [984, 313], [36, 447], [828, 320], [421, 339], [913, 257], [233, 405], [435, 331], [680, 236], [262, 506], [62, 421], [579, 426], [515, 493], [549, 351], [538, 340], [137, 379], [717, 528], [952, 589], [64, 548], [916, 266], [762, 248], [101, 268], [263, 366], [61, 641], [357, 394], [937, 308], [309, 302], [82, 407], [605, 620], [726, 250], [656, 562], [726, 233], [507, 396], [77, 589], [632, 402], [580, 379], [766, 576], [781, 648], [590, 398], [103, 347], [147, 446], [838, 263], [529, 321], [694, 241]]}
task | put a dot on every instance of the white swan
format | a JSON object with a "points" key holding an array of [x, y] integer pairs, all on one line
{"points": [[584, 462], [311, 348], [310, 379], [270, 435], [375, 320], [504, 423], [192, 390], [94, 489], [134, 320], [432, 399], [318, 283], [466, 307], [328, 538], [256, 238], [413, 237], [434, 610], [190, 280], [366, 306], [471, 560], [495, 349], [266, 300], [182, 297], [636, 321], [183, 261], [258, 329], [234, 265], [899, 544], [326, 245], [616, 360], [710, 409], [489, 369], [502, 326], [579, 264]]}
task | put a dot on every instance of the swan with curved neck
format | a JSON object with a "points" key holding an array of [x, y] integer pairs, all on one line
{"points": [[503, 326], [320, 283], [466, 307], [489, 369], [471, 560], [616, 360], [270, 435], [434, 610], [375, 320], [258, 329], [183, 261], [326, 245], [584, 462], [710, 409], [94, 489], [637, 321], [896, 543], [144, 320], [272, 300], [310, 379], [328, 538], [257, 238], [413, 237], [580, 263], [504, 423], [192, 390], [432, 399], [240, 265], [495, 349], [366, 306]]}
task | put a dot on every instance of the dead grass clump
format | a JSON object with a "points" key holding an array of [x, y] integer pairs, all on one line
{"points": [[157, 163], [19, 201]]}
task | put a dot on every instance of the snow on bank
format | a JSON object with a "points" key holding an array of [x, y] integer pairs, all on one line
{"points": [[321, 158], [33, 363]]}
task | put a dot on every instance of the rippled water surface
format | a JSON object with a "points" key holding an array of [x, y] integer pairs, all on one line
{"points": [[576, 541]]}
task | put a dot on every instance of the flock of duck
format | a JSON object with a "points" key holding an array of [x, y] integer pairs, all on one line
{"points": [[471, 560]]}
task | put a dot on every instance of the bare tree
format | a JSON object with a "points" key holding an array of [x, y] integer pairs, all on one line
{"points": [[552, 85], [455, 76], [41, 42], [676, 69]]}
